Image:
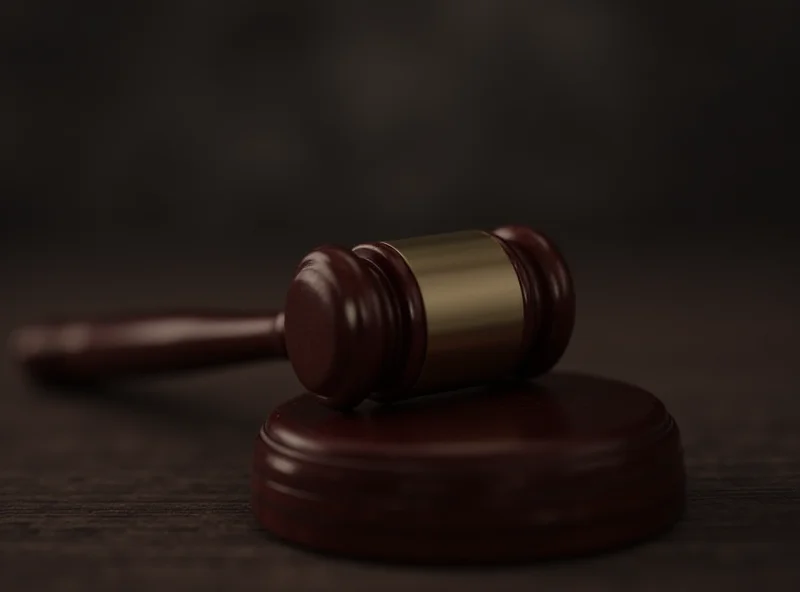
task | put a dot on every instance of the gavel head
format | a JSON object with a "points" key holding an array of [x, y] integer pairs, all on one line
{"points": [[392, 320]]}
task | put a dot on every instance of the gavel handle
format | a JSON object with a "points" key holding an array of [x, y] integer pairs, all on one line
{"points": [[110, 349]]}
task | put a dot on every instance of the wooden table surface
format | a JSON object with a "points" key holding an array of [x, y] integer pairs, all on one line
{"points": [[149, 488]]}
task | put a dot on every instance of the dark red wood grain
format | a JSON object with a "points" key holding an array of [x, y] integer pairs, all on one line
{"points": [[149, 488], [99, 350], [569, 465], [354, 327], [551, 294], [411, 337], [340, 326], [376, 348]]}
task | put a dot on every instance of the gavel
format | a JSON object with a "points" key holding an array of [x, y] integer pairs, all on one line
{"points": [[514, 468], [383, 321]]}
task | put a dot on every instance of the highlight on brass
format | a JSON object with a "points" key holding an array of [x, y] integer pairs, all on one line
{"points": [[473, 306]]}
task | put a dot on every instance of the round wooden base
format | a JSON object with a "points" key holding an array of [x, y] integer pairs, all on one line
{"points": [[570, 464]]}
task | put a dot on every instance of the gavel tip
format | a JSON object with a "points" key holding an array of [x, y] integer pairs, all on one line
{"points": [[40, 351], [34, 341], [24, 347], [25, 343], [30, 344]]}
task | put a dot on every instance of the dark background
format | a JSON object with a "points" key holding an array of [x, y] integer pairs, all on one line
{"points": [[165, 154], [239, 119]]}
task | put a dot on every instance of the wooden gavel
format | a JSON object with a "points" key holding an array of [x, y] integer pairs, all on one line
{"points": [[385, 320]]}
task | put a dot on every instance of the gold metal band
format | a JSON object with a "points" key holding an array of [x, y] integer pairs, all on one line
{"points": [[473, 306]]}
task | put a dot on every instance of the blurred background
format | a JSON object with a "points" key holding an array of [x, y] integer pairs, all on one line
{"points": [[246, 122], [160, 154]]}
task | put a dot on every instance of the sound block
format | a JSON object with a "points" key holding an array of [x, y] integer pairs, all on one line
{"points": [[567, 465]]}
